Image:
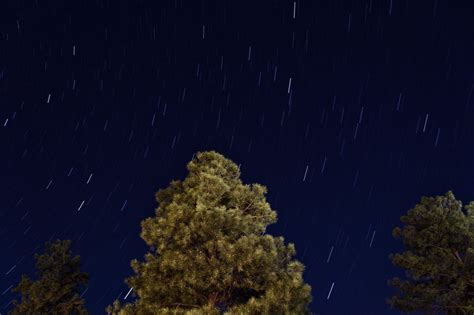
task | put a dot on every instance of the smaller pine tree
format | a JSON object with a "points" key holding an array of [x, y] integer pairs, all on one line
{"points": [[56, 291], [439, 258]]}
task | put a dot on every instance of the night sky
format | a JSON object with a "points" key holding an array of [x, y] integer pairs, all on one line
{"points": [[348, 111]]}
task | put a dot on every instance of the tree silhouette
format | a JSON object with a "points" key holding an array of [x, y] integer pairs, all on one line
{"points": [[209, 251], [56, 291], [439, 258]]}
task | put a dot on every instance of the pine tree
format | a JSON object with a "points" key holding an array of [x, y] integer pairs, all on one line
{"points": [[56, 291], [209, 251], [439, 258]]}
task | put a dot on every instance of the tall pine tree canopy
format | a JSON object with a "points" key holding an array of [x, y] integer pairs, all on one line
{"points": [[57, 289], [209, 253], [439, 258]]}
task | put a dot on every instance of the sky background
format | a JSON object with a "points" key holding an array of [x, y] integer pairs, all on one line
{"points": [[348, 111]]}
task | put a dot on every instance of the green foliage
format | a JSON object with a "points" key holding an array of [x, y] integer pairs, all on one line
{"points": [[209, 251], [56, 292], [439, 258]]}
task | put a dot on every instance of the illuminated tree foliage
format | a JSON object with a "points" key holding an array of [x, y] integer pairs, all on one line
{"points": [[57, 289], [438, 260], [209, 251]]}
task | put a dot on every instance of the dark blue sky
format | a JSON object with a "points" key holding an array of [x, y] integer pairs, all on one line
{"points": [[348, 111]]}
